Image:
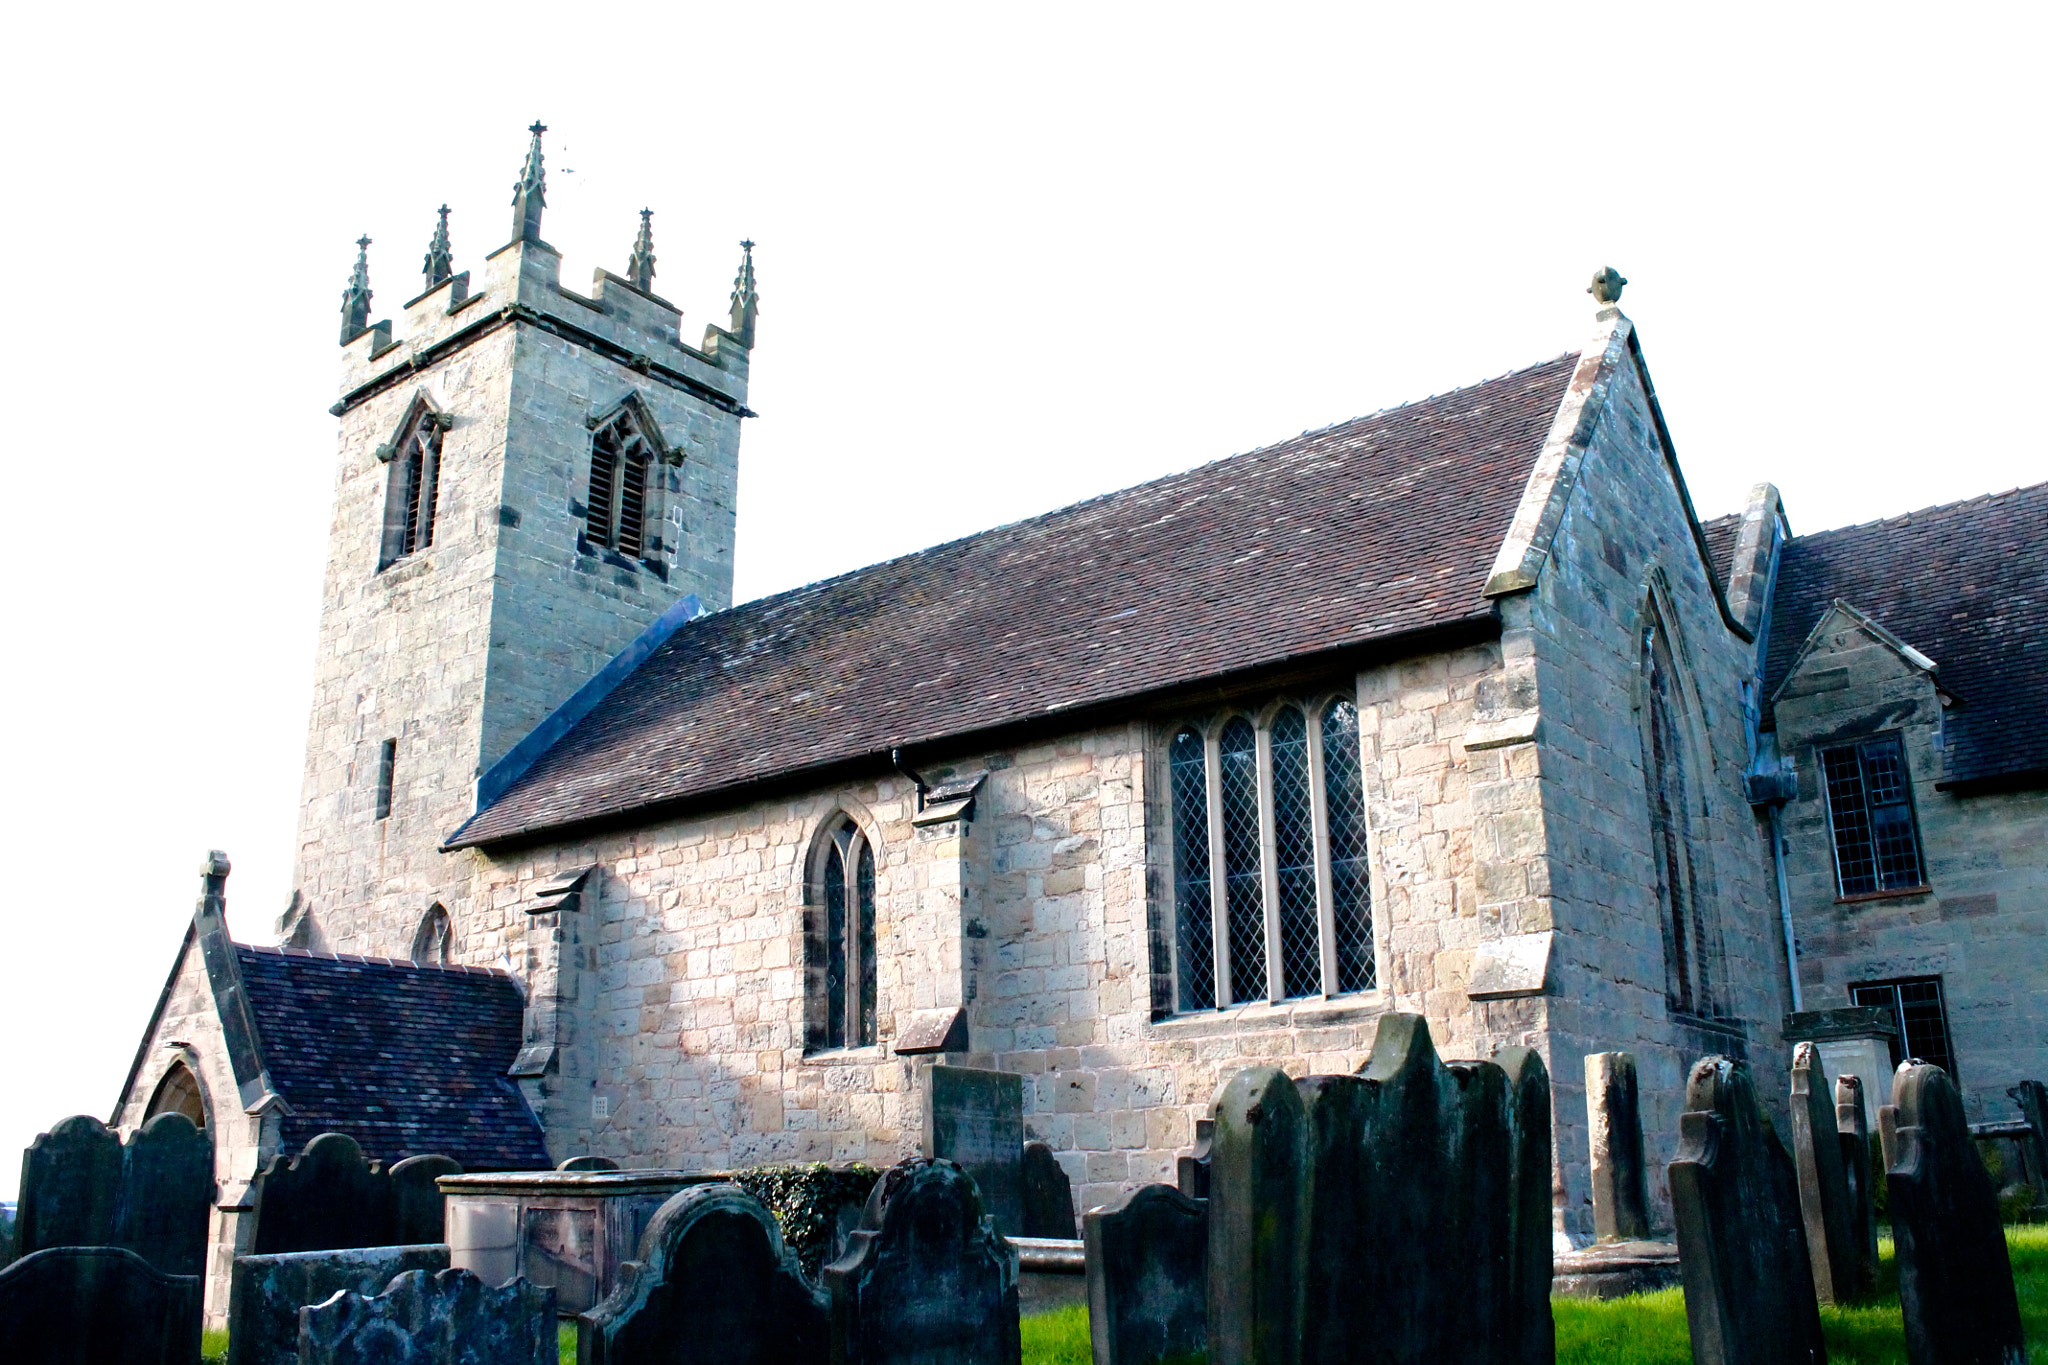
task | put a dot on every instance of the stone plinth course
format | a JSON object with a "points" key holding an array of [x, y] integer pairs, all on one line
{"points": [[713, 1285], [96, 1305], [1852, 1135], [975, 1119], [267, 1292], [926, 1278], [1824, 1198], [1955, 1275], [1749, 1296], [81, 1186], [448, 1318], [1046, 1194], [1148, 1263], [1614, 1130]]}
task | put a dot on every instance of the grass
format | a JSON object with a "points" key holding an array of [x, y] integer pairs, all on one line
{"points": [[1649, 1329]]}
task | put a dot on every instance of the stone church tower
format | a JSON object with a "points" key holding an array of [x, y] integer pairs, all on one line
{"points": [[531, 481]]}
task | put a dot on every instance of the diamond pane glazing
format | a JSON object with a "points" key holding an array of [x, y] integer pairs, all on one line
{"points": [[1294, 847], [1350, 879], [865, 883], [1195, 935], [1245, 903], [835, 947]]}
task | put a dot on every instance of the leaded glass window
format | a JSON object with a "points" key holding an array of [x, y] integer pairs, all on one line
{"points": [[839, 941], [1870, 809], [1268, 821]]}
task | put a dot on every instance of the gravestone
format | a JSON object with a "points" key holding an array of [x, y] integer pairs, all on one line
{"points": [[1852, 1134], [1823, 1183], [165, 1210], [1955, 1276], [448, 1318], [1256, 1246], [926, 1279], [419, 1211], [1191, 1168], [2032, 1098], [713, 1285], [1332, 1199], [1888, 1132], [975, 1119], [96, 1305], [70, 1187], [1047, 1196], [1621, 1196], [1148, 1264], [328, 1196], [588, 1163], [1742, 1248], [1526, 1333], [265, 1293]]}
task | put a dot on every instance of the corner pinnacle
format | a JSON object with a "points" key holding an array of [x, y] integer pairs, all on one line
{"points": [[355, 300], [746, 301], [529, 195], [440, 262], [640, 265]]}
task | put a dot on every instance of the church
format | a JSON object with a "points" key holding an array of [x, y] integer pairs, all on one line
{"points": [[1456, 709]]}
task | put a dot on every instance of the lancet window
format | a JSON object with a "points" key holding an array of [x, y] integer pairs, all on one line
{"points": [[412, 493], [1272, 897], [839, 940], [623, 470], [1691, 943]]}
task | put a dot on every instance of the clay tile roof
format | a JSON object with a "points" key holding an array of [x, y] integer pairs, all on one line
{"points": [[1721, 534], [1374, 528], [406, 1060], [1965, 584]]}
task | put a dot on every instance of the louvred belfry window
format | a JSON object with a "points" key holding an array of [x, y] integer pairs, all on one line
{"points": [[1268, 823], [621, 467], [412, 496]]}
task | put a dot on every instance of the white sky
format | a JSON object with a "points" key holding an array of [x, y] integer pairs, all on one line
{"points": [[1009, 257]]}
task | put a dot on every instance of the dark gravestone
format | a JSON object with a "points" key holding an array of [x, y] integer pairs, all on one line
{"points": [[449, 1318], [713, 1285], [1742, 1250], [1823, 1183], [1955, 1277], [326, 1197], [927, 1279], [588, 1163], [1621, 1197], [419, 1212], [166, 1205], [975, 1119], [1257, 1155], [1888, 1132], [2032, 1098], [70, 1187], [1852, 1135], [1191, 1168], [96, 1305], [1148, 1272], [1047, 1196], [266, 1293], [1335, 1111], [1527, 1334]]}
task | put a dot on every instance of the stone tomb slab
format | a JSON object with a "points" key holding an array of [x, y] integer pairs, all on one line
{"points": [[266, 1293], [975, 1119], [96, 1306]]}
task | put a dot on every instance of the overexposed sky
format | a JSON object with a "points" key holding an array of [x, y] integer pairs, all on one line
{"points": [[1009, 257]]}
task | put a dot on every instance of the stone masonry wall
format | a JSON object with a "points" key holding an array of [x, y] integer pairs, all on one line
{"points": [[1982, 924], [1578, 636]]}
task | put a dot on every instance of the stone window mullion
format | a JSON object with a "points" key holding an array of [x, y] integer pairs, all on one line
{"points": [[1219, 890], [1269, 870], [1326, 900]]}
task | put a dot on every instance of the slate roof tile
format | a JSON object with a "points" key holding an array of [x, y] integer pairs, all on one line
{"points": [[1721, 534], [1369, 529]]}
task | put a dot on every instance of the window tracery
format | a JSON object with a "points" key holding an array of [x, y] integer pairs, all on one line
{"points": [[412, 490], [840, 940]]}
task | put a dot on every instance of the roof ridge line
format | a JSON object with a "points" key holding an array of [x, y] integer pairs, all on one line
{"points": [[1921, 511], [365, 960]]}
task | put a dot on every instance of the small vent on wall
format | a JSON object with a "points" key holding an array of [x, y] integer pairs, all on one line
{"points": [[387, 764]]}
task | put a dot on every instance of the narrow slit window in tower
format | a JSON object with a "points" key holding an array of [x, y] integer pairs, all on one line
{"points": [[387, 766]]}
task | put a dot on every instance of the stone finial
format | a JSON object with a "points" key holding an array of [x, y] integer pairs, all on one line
{"points": [[1606, 286], [529, 195], [355, 300], [640, 265], [213, 882], [746, 303], [440, 263]]}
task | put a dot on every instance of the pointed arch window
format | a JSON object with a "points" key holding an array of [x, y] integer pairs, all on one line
{"points": [[179, 1093], [412, 490], [626, 458], [839, 940], [1272, 893], [1690, 941], [433, 944]]}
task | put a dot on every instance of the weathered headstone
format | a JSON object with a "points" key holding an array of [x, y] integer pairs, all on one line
{"points": [[1047, 1195], [975, 1119], [328, 1196], [713, 1285], [2032, 1098], [266, 1292], [1527, 1334], [1191, 1168], [449, 1318], [1742, 1250], [1888, 1132], [166, 1203], [1331, 1204], [96, 1305], [1823, 1183], [70, 1187], [588, 1163], [927, 1279], [1852, 1134], [1148, 1274], [1621, 1196], [419, 1212], [1256, 1242], [1955, 1276]]}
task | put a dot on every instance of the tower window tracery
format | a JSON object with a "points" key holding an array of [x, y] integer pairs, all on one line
{"points": [[623, 471], [412, 494]]}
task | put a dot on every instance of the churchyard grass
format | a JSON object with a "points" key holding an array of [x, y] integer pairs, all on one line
{"points": [[213, 1346], [1649, 1329]]}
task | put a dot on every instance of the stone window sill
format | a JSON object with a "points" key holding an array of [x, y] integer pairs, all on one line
{"points": [[847, 1056], [1896, 893], [1264, 1016]]}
